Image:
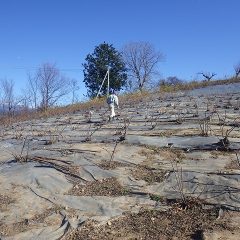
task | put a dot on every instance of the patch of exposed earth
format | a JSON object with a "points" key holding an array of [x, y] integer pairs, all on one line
{"points": [[147, 174], [191, 221], [112, 164], [5, 201], [104, 187], [26, 224]]}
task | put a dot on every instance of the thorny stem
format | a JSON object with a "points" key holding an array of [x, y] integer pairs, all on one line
{"points": [[23, 145], [179, 179], [114, 150]]}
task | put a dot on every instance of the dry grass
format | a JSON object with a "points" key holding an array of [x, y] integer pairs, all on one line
{"points": [[135, 97], [56, 111], [197, 84]]}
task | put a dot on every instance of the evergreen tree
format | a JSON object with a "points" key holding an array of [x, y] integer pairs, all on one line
{"points": [[95, 68]]}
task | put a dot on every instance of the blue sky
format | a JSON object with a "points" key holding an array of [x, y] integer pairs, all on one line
{"points": [[194, 35]]}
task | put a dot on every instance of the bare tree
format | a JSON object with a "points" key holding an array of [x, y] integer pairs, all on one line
{"points": [[50, 84], [32, 89], [237, 70], [73, 88], [141, 60], [8, 94], [24, 99], [207, 75]]}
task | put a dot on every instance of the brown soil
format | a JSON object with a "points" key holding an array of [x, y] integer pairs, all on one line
{"points": [[152, 152], [12, 229], [217, 154], [27, 224], [147, 174], [4, 202], [233, 159], [176, 223], [175, 132], [105, 187], [107, 165], [234, 164]]}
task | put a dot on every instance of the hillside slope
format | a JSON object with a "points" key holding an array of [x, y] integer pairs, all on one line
{"points": [[166, 168]]}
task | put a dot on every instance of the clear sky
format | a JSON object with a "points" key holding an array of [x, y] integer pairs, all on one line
{"points": [[194, 35]]}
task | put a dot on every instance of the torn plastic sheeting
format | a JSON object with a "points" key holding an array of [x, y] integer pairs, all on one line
{"points": [[197, 142], [31, 173], [51, 232], [217, 189], [101, 205]]}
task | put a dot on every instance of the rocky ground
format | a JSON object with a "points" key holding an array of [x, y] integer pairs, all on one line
{"points": [[168, 167]]}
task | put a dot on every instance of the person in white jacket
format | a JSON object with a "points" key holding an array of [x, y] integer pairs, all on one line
{"points": [[112, 101]]}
